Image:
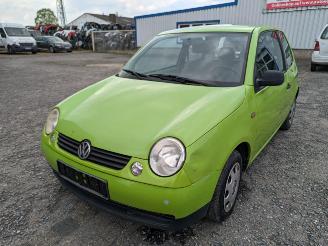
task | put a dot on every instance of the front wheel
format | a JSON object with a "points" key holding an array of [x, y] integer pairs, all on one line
{"points": [[10, 50], [290, 118], [313, 67], [51, 49], [227, 189]]}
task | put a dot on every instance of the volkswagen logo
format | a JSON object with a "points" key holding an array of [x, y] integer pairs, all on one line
{"points": [[84, 150]]}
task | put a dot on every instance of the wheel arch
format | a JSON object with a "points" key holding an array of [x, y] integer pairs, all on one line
{"points": [[244, 149]]}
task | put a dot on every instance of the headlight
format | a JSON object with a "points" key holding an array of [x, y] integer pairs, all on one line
{"points": [[52, 121], [167, 157]]}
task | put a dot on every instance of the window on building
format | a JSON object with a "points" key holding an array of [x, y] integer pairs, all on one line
{"points": [[200, 23], [269, 55]]}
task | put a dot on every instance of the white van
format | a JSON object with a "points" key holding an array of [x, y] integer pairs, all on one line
{"points": [[320, 52], [15, 38]]}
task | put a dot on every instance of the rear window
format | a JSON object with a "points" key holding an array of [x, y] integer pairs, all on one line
{"points": [[324, 35]]}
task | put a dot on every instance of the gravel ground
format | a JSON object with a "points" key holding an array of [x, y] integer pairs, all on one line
{"points": [[284, 198]]}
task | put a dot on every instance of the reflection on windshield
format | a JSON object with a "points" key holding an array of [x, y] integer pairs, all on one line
{"points": [[17, 32], [213, 57]]}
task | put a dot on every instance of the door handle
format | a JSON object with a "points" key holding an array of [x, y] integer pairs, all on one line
{"points": [[289, 86]]}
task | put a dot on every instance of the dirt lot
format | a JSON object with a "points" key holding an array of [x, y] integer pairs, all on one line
{"points": [[284, 197]]}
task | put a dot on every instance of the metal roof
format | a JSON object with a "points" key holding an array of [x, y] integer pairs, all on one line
{"points": [[222, 5]]}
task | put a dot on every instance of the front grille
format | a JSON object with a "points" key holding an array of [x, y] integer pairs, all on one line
{"points": [[26, 44], [98, 156]]}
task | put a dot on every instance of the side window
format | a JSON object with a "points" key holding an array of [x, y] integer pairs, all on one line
{"points": [[287, 50], [324, 35], [269, 55], [2, 33]]}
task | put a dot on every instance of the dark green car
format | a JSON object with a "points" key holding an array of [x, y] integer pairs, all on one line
{"points": [[53, 44]]}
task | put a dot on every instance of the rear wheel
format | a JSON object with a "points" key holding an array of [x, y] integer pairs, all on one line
{"points": [[290, 118], [313, 67], [227, 189]]}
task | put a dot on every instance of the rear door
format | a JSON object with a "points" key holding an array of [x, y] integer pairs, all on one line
{"points": [[323, 41]]}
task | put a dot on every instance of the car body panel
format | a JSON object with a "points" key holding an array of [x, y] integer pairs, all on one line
{"points": [[165, 200], [142, 112]]}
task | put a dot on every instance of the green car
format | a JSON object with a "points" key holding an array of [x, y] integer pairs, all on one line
{"points": [[165, 141]]}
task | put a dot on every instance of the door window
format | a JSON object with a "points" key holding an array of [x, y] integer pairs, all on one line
{"points": [[287, 50], [269, 55], [2, 33]]}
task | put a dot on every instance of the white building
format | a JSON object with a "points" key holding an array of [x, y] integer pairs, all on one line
{"points": [[301, 20], [100, 19]]}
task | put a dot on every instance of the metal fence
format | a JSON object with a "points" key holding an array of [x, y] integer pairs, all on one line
{"points": [[117, 40]]}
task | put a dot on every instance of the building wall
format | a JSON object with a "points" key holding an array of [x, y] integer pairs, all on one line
{"points": [[79, 22], [301, 26]]}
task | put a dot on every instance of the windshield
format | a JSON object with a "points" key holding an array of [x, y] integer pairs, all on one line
{"points": [[17, 32], [55, 40], [217, 59]]}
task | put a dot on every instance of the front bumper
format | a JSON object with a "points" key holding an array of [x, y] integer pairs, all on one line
{"points": [[161, 207], [155, 220], [319, 59], [19, 48]]}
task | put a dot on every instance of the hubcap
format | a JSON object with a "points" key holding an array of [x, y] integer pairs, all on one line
{"points": [[231, 188], [292, 113]]}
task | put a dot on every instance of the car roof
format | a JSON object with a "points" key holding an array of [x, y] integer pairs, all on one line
{"points": [[214, 28], [14, 25]]}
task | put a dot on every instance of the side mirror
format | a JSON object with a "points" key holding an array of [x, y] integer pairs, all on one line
{"points": [[271, 78]]}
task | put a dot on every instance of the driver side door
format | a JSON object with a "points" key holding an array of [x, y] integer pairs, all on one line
{"points": [[269, 100]]}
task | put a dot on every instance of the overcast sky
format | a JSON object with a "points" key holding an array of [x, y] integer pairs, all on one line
{"points": [[23, 11]]}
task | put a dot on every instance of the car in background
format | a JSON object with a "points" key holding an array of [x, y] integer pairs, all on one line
{"points": [[53, 44], [15, 38], [320, 52]]}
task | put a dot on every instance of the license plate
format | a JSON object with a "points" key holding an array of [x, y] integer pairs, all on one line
{"points": [[84, 181]]}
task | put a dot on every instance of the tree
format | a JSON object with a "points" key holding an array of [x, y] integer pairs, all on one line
{"points": [[45, 16]]}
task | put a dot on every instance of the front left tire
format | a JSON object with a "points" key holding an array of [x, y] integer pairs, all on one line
{"points": [[313, 67], [227, 189]]}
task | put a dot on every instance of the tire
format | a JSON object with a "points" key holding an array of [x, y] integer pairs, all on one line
{"points": [[10, 50], [227, 189], [52, 50], [290, 118], [313, 67], [34, 52]]}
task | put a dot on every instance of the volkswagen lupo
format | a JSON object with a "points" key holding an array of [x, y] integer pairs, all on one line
{"points": [[165, 141]]}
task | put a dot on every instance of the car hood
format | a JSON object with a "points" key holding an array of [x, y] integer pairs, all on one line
{"points": [[128, 116], [22, 39]]}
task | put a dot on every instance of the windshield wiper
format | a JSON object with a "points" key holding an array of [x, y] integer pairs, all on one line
{"points": [[179, 79], [136, 74]]}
